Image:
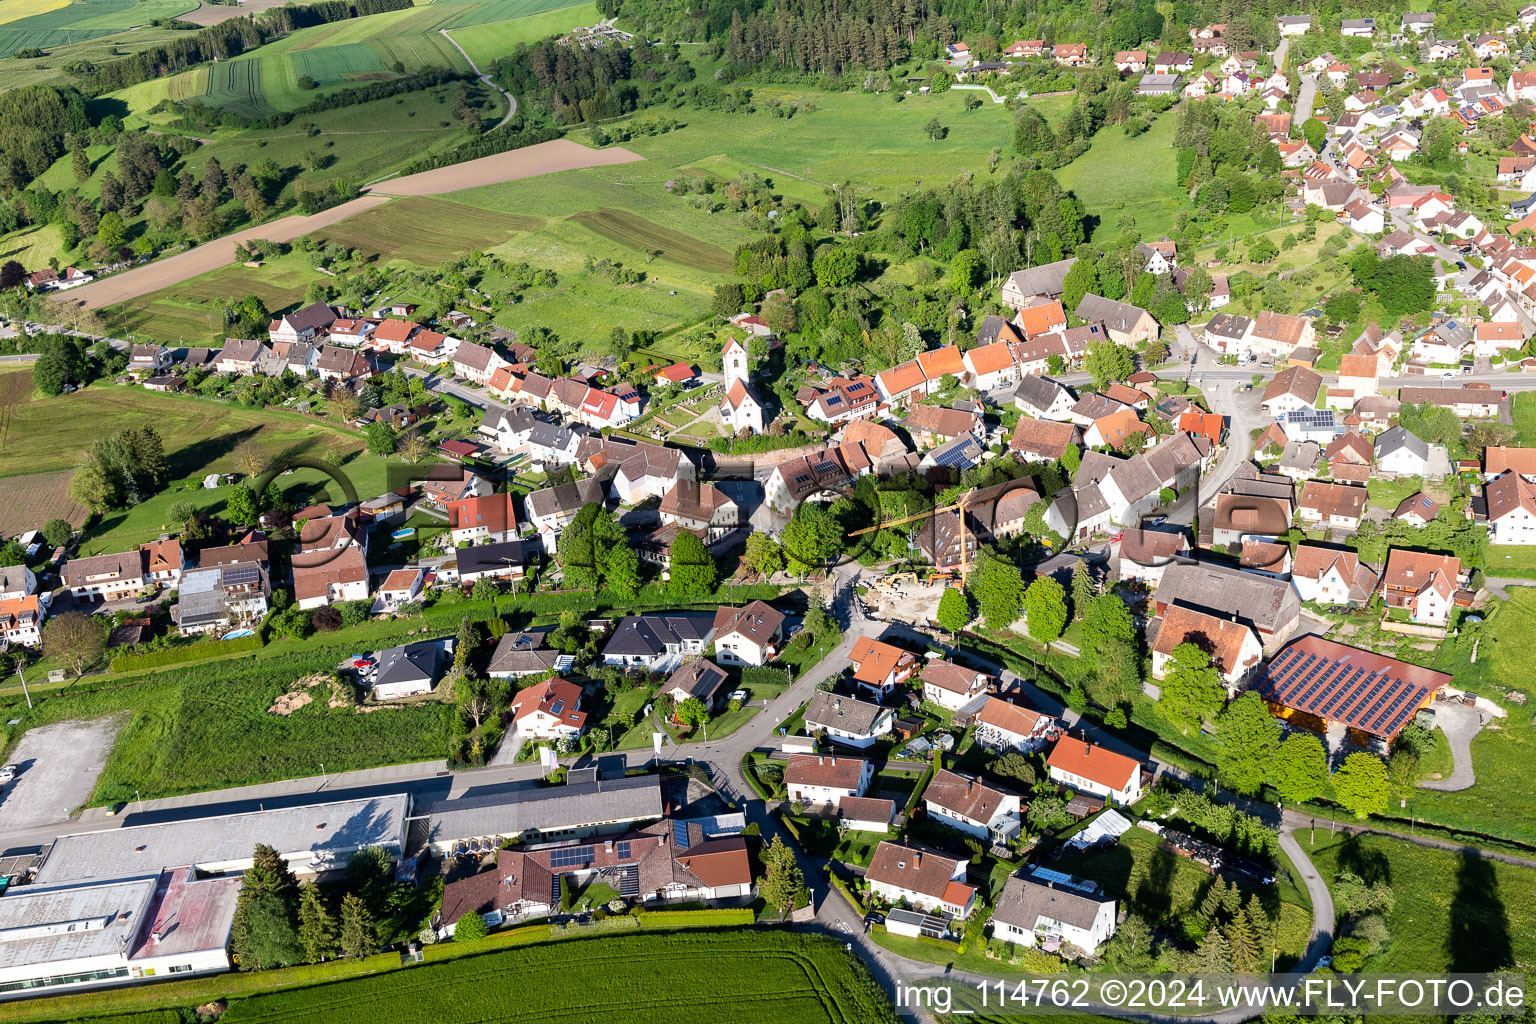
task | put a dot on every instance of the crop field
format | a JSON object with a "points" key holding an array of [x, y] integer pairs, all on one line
{"points": [[635, 232], [485, 42], [26, 501], [45, 24], [677, 978], [237, 85], [482, 12], [1478, 915], [15, 10], [1134, 173], [426, 231]]}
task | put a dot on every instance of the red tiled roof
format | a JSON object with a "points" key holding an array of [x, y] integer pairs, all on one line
{"points": [[1094, 763]]}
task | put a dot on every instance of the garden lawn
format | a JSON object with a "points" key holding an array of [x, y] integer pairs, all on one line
{"points": [[1168, 889], [1523, 412], [1511, 556], [1452, 912], [1135, 176], [1388, 494]]}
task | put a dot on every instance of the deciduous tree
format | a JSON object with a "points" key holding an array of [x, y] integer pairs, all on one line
{"points": [[73, 638], [1190, 692], [1045, 608], [1360, 784], [1300, 770], [1247, 738]]}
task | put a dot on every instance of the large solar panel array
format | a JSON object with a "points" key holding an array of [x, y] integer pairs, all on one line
{"points": [[570, 856], [1378, 701]]}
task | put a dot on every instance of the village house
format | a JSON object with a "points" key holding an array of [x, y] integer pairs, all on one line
{"points": [[878, 668], [1052, 916], [1088, 768], [1127, 325], [1423, 583], [847, 720], [1511, 502], [925, 879], [482, 519], [323, 577], [1400, 453], [657, 641], [1233, 648], [1292, 389], [1417, 510], [952, 687], [966, 804], [1003, 726], [302, 324], [820, 781], [400, 588], [701, 680], [1332, 505], [549, 710], [1331, 577], [105, 577]]}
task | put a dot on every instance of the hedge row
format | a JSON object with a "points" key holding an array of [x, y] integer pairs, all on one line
{"points": [[204, 651], [709, 917]]}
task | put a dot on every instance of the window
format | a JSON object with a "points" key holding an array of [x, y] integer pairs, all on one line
{"points": [[181, 968]]}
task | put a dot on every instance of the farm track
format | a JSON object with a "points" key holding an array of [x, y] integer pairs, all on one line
{"points": [[511, 100], [530, 161]]}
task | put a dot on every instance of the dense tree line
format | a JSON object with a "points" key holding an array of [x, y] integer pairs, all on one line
{"points": [[571, 85], [34, 121]]}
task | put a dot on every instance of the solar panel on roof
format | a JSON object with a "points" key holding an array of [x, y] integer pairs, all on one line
{"points": [[570, 856], [238, 575], [680, 834]]}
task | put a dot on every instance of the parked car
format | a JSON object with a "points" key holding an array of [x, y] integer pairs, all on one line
{"points": [[8, 773]]}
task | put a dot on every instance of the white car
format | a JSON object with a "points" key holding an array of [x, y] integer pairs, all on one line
{"points": [[8, 773]]}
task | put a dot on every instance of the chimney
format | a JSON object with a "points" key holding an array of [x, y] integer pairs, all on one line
{"points": [[154, 936], [820, 760], [917, 859]]}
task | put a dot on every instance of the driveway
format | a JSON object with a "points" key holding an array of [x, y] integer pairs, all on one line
{"points": [[1460, 723]]}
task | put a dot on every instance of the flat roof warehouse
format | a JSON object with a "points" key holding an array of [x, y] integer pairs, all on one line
{"points": [[312, 837]]}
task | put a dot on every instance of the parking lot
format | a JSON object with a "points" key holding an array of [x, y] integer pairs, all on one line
{"points": [[58, 765]]}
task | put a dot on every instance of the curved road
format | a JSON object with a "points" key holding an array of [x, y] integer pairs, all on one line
{"points": [[511, 100]]}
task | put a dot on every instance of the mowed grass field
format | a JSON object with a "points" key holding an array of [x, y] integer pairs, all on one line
{"points": [[1453, 912], [41, 439], [427, 231], [484, 43], [1133, 176]]}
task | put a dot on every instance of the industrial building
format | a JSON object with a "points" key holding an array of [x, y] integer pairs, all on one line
{"points": [[312, 838]]}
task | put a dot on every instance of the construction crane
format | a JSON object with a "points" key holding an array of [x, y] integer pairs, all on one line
{"points": [[959, 506]]}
